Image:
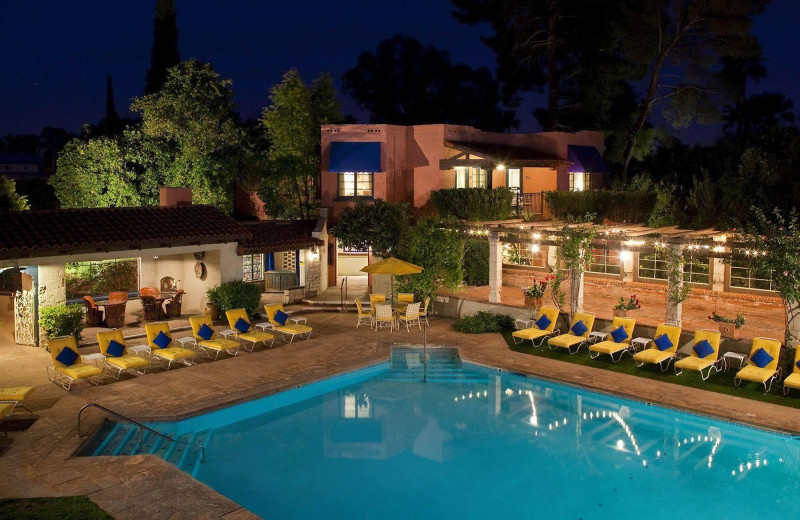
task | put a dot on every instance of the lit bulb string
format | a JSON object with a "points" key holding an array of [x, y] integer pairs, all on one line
{"points": [[477, 395], [701, 439], [591, 416]]}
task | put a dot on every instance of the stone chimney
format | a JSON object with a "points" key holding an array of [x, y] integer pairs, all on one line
{"points": [[175, 197]]}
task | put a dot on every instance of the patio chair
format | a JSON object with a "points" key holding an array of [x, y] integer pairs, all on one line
{"points": [[410, 316], [117, 296], [152, 311], [364, 316], [384, 315], [621, 334], [94, 314], [578, 333], [793, 380], [174, 305], [664, 347], [162, 347], [117, 359], [239, 322], [289, 330], [704, 354], [17, 395], [375, 299], [541, 329], [209, 340], [115, 315], [149, 291], [68, 366], [423, 314], [762, 366], [405, 297]]}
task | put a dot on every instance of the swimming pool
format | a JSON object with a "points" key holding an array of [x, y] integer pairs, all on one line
{"points": [[484, 444]]}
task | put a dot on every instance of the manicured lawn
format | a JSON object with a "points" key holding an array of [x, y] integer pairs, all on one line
{"points": [[721, 382], [61, 508]]}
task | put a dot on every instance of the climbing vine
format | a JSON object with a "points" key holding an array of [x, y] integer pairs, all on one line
{"points": [[573, 257]]}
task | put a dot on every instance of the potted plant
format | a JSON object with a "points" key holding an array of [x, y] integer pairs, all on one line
{"points": [[623, 307], [729, 327], [534, 293]]}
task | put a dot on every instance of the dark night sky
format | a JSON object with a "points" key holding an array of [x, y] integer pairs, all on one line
{"points": [[54, 55]]}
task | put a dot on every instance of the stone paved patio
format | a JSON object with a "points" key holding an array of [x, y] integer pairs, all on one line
{"points": [[39, 462]]}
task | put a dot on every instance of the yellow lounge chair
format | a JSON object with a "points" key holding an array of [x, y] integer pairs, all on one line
{"points": [[65, 375], [5, 411], [695, 362], [793, 380], [363, 316], [656, 356], [251, 336], [119, 364], [17, 395], [612, 347], [215, 343], [170, 353], [535, 333], [570, 340], [770, 372], [290, 329]]}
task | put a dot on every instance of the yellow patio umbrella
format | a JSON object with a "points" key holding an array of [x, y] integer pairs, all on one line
{"points": [[393, 267]]}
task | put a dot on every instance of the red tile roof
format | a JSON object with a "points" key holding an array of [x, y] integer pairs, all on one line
{"points": [[278, 235], [26, 234], [509, 154]]}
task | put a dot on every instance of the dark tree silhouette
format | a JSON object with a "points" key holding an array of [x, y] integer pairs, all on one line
{"points": [[165, 46], [407, 83]]}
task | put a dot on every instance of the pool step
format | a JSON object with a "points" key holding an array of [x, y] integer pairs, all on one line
{"points": [[123, 439], [443, 365]]}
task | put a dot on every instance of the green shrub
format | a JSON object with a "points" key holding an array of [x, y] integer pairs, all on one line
{"points": [[62, 320], [484, 321], [476, 262], [473, 203], [236, 295], [615, 205]]}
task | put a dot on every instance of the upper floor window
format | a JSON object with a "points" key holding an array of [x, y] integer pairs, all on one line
{"points": [[471, 177], [579, 181], [355, 184]]}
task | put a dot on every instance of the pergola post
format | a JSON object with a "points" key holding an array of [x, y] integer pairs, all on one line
{"points": [[674, 285], [495, 267], [576, 289]]}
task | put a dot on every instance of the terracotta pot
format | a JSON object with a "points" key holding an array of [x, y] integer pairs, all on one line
{"points": [[728, 330], [213, 311], [621, 313], [533, 302]]}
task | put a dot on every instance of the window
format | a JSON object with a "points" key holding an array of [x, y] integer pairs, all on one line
{"points": [[514, 179], [355, 184], [253, 266], [695, 270], [579, 181], [743, 277], [101, 277], [471, 177], [356, 406], [532, 255], [605, 261]]}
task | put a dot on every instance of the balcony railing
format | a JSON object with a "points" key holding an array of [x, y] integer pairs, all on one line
{"points": [[531, 204]]}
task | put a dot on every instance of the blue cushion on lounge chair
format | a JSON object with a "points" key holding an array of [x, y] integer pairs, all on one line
{"points": [[663, 342], [543, 322], [761, 358], [242, 325], [281, 317], [579, 328], [619, 335], [205, 332], [703, 348], [115, 348], [798, 363], [67, 356], [162, 340]]}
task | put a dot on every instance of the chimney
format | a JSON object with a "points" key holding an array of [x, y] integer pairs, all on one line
{"points": [[175, 197]]}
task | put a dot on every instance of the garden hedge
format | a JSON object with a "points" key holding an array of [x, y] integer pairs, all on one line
{"points": [[473, 203], [614, 205]]}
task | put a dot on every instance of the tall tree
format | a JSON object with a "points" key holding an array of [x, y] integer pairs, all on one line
{"points": [[292, 124], [164, 54], [9, 198], [407, 83]]}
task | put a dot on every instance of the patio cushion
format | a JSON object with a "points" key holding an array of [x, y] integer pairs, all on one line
{"points": [[242, 325], [761, 358], [80, 370], [703, 349], [126, 362], [219, 344], [205, 332], [281, 317], [256, 336], [619, 335], [115, 348], [162, 340], [295, 328], [173, 353], [663, 342], [67, 356], [579, 328], [16, 393], [543, 322], [798, 364]]}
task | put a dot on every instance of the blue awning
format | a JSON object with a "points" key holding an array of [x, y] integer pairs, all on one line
{"points": [[586, 159], [355, 157]]}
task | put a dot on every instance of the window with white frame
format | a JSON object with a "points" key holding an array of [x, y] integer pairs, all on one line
{"points": [[579, 181], [514, 179], [744, 278], [533, 255], [355, 184], [253, 267], [356, 406], [697, 270], [654, 266], [471, 177], [605, 261]]}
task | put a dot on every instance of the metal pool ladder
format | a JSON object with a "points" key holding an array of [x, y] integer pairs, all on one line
{"points": [[141, 427]]}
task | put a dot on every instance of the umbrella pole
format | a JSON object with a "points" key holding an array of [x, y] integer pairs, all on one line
{"points": [[425, 353]]}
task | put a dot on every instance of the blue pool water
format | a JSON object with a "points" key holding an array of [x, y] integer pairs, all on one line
{"points": [[482, 445]]}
